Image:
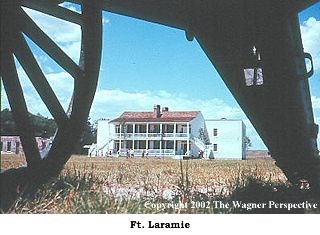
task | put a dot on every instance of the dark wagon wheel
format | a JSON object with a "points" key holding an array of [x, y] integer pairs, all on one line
{"points": [[14, 23]]}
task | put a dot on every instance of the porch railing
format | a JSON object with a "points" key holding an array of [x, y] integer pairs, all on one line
{"points": [[151, 152], [149, 135]]}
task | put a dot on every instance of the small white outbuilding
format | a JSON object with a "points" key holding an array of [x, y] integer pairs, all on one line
{"points": [[227, 138]]}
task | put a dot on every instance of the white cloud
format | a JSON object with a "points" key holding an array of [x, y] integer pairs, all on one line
{"points": [[110, 103], [67, 35], [71, 6], [310, 33], [62, 85], [105, 20]]}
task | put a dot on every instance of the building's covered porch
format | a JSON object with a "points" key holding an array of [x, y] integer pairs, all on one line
{"points": [[154, 147]]}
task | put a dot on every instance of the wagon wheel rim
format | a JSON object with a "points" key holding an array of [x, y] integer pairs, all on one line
{"points": [[14, 23]]}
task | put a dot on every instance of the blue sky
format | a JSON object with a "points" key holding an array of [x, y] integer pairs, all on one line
{"points": [[145, 64]]}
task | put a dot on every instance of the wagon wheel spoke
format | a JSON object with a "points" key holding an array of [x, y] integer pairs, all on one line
{"points": [[54, 10], [48, 45], [36, 76], [84, 88], [19, 108]]}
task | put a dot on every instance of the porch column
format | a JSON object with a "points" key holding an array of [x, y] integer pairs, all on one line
{"points": [[174, 137], [133, 132], [120, 137], [188, 137], [161, 137], [147, 137]]}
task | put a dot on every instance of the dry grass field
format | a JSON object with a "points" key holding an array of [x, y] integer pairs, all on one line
{"points": [[120, 185]]}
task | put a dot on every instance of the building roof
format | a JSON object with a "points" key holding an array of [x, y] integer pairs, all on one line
{"points": [[225, 120], [165, 116]]}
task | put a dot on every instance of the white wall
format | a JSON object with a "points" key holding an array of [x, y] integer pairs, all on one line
{"points": [[229, 138], [104, 133]]}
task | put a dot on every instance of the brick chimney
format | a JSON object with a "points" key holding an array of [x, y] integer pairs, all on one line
{"points": [[156, 110]]}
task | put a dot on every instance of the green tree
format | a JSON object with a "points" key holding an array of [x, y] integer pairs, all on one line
{"points": [[203, 135], [7, 124], [247, 142], [46, 128], [89, 136], [43, 126]]}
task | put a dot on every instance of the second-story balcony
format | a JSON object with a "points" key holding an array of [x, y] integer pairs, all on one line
{"points": [[150, 135]]}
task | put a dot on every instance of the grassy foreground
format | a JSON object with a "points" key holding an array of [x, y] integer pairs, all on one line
{"points": [[119, 185]]}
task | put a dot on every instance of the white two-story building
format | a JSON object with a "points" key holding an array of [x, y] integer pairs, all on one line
{"points": [[170, 133], [227, 138], [161, 132]]}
